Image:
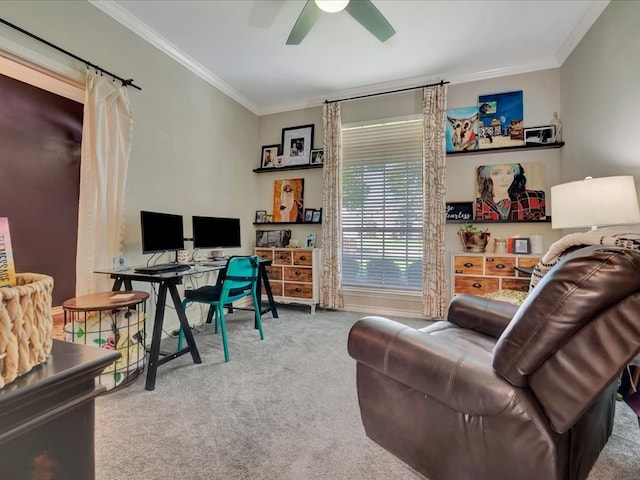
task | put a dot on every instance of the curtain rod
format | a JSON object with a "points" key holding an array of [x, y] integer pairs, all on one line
{"points": [[441, 82], [125, 83]]}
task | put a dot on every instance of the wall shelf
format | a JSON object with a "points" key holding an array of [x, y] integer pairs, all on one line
{"points": [[546, 220], [290, 167], [286, 223], [507, 149]]}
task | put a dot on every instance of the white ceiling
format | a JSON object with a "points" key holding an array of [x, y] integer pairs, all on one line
{"points": [[239, 45]]}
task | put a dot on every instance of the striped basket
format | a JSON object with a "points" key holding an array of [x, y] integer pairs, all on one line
{"points": [[25, 325]]}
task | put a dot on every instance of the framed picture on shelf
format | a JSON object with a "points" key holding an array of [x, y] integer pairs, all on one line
{"points": [[317, 157], [297, 143], [317, 216], [521, 245], [539, 135], [308, 215], [260, 216], [269, 156]]}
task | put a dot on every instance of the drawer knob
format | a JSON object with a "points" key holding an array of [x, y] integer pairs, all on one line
{"points": [[298, 272], [302, 257], [525, 288], [500, 265], [282, 257], [458, 271], [468, 264], [477, 285], [298, 290]]}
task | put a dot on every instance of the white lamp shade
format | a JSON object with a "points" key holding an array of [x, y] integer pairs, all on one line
{"points": [[595, 202], [332, 6]]}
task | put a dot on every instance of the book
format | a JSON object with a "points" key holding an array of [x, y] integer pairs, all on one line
{"points": [[7, 267]]}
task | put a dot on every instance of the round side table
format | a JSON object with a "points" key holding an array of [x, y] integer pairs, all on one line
{"points": [[113, 321]]}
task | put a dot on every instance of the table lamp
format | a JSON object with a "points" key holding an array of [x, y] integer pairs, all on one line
{"points": [[595, 202]]}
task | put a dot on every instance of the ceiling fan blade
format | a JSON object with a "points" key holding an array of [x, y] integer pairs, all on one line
{"points": [[370, 18], [306, 20]]}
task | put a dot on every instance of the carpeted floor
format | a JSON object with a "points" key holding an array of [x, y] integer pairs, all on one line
{"points": [[284, 409]]}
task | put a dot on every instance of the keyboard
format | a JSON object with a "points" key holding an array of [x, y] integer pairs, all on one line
{"points": [[163, 268]]}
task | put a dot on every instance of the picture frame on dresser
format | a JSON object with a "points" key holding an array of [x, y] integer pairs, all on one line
{"points": [[521, 246]]}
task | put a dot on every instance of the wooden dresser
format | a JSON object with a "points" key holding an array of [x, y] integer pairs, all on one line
{"points": [[294, 274], [480, 273]]}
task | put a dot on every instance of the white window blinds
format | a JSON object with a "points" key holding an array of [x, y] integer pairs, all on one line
{"points": [[382, 205]]}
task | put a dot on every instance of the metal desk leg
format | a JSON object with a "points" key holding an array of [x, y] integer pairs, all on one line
{"points": [[184, 323], [156, 338], [264, 280]]}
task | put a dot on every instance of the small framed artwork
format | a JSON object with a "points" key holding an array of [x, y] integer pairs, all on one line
{"points": [[539, 135], [311, 240], [260, 216], [267, 218], [308, 215], [297, 143], [269, 156], [317, 157], [317, 216], [521, 245]]}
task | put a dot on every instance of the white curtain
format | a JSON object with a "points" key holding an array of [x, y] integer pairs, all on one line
{"points": [[330, 261], [106, 146], [434, 104]]}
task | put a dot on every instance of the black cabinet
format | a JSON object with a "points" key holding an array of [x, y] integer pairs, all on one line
{"points": [[47, 416]]}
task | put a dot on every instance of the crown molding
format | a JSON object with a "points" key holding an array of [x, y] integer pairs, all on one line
{"points": [[123, 17]]}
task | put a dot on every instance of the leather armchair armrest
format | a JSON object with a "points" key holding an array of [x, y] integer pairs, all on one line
{"points": [[462, 380], [480, 314]]}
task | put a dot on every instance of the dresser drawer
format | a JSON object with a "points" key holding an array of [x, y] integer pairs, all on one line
{"points": [[476, 285], [297, 274], [514, 284], [468, 265], [528, 262], [282, 257], [298, 290], [277, 289], [303, 258], [274, 273], [264, 254], [500, 266]]}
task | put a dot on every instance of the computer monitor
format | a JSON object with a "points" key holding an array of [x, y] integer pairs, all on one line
{"points": [[215, 232], [161, 232]]}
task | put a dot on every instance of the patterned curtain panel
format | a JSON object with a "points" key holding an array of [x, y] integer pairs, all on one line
{"points": [[106, 145], [330, 258], [434, 106]]}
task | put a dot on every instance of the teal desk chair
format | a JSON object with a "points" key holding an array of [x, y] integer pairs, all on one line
{"points": [[238, 281]]}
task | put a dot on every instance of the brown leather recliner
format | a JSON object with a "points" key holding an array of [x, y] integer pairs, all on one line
{"points": [[504, 392]]}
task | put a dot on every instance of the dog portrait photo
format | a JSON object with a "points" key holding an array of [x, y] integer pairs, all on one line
{"points": [[462, 129], [288, 205]]}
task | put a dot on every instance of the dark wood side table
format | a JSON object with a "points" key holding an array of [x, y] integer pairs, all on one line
{"points": [[47, 416]]}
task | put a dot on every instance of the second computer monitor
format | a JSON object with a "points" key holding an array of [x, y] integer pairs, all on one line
{"points": [[215, 232]]}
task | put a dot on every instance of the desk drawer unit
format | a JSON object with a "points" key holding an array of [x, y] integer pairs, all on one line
{"points": [[294, 275], [482, 273]]}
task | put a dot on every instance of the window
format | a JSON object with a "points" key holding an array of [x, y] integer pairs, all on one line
{"points": [[382, 205]]}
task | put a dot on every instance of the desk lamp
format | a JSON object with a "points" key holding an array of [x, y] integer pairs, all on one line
{"points": [[595, 202]]}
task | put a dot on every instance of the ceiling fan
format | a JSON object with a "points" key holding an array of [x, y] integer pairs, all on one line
{"points": [[363, 11]]}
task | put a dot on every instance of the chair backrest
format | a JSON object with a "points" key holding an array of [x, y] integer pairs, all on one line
{"points": [[240, 277], [575, 332]]}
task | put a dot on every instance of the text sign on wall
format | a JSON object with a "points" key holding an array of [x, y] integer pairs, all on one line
{"points": [[460, 211]]}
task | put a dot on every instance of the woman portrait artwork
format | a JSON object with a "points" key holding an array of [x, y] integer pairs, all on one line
{"points": [[288, 203], [503, 194]]}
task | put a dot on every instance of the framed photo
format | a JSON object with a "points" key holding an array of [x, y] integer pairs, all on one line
{"points": [[539, 135], [521, 245], [260, 216], [317, 156], [317, 216], [297, 143], [269, 156], [311, 240], [308, 215]]}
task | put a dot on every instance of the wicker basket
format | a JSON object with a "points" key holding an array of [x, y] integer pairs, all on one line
{"points": [[25, 325]]}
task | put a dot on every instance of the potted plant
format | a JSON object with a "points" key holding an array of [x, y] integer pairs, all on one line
{"points": [[473, 239]]}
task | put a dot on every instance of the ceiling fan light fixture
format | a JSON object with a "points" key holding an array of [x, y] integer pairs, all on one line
{"points": [[332, 6]]}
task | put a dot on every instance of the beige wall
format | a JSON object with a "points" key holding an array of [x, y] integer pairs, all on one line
{"points": [[600, 98], [193, 147]]}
